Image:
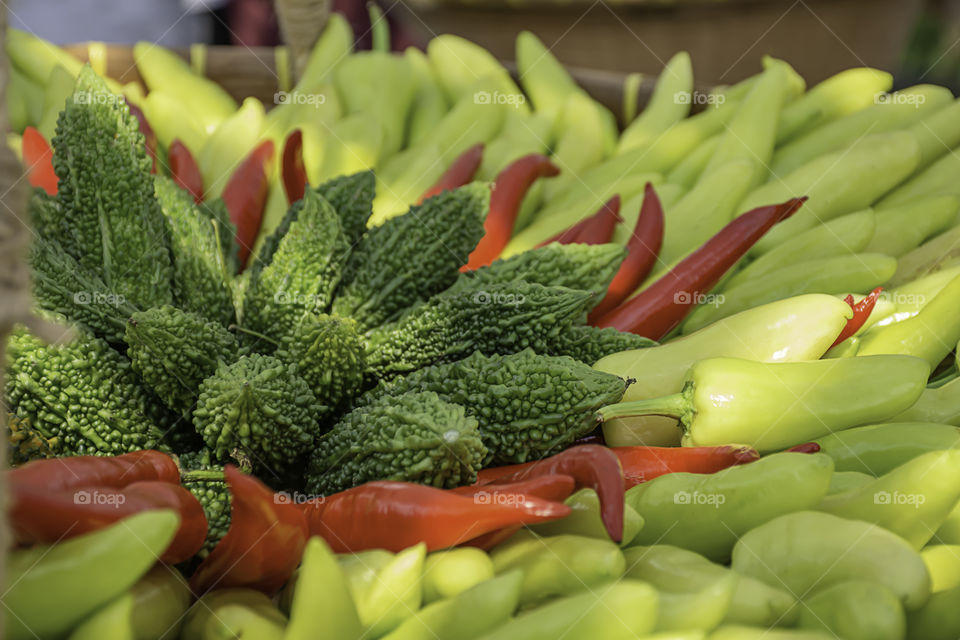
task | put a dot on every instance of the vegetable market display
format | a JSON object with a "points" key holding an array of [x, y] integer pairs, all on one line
{"points": [[422, 352]]}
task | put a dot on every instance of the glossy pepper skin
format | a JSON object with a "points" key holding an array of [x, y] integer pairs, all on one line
{"points": [[184, 170], [642, 464], [935, 405], [38, 161], [106, 471], [322, 605], [800, 328], [459, 173], [775, 406], [879, 448]]}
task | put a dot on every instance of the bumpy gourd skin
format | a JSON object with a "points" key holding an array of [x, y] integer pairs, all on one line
{"points": [[200, 273], [589, 344], [83, 397], [62, 285], [502, 318], [528, 406], [413, 437], [257, 408], [110, 213], [175, 350], [576, 266], [303, 273], [413, 256], [329, 357], [213, 494]]}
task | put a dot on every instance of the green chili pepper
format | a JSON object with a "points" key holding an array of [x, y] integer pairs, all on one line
{"points": [[691, 168], [584, 139], [584, 520], [949, 531], [853, 272], [706, 513], [880, 448], [81, 574], [228, 144], [839, 95], [842, 481], [757, 603], [690, 597], [838, 237], [171, 120], [940, 253], [334, 44], [905, 227], [558, 565], [800, 328], [112, 622], [429, 101], [386, 588], [160, 600], [935, 405], [545, 80], [938, 619], [894, 112], [931, 334], [449, 573], [476, 117], [669, 104], [58, 87], [837, 183], [234, 613], [908, 298], [937, 179], [943, 563], [469, 615], [912, 501], [807, 551], [624, 610], [459, 63], [321, 604], [937, 133], [521, 135], [773, 406], [855, 610]]}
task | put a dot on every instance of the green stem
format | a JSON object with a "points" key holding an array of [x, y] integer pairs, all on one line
{"points": [[200, 475], [674, 406], [380, 29]]}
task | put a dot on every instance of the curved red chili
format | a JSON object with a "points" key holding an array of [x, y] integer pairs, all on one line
{"points": [[861, 311], [149, 137], [596, 228], [292, 170], [38, 161], [806, 447], [245, 196], [184, 170], [54, 474], [555, 487], [461, 172], [642, 464]]}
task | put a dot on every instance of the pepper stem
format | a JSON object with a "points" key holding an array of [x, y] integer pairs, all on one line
{"points": [[673, 406]]}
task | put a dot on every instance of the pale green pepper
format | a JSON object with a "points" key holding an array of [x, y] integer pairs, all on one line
{"points": [[807, 551], [404, 179], [773, 406], [800, 328], [937, 133], [476, 117], [429, 101], [459, 64], [521, 135], [855, 610], [35, 57], [544, 79], [228, 145], [691, 168], [912, 501], [321, 603], [842, 481], [112, 622], [937, 254], [737, 632], [350, 145], [584, 139], [584, 520], [905, 227], [938, 619], [58, 88], [669, 104], [937, 179], [907, 299], [334, 44], [386, 588], [880, 448], [451, 572], [841, 236], [234, 613], [943, 563], [941, 404]]}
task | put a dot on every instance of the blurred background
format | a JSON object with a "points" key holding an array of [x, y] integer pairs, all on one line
{"points": [[918, 40]]}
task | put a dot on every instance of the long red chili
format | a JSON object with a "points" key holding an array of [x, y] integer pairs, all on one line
{"points": [[594, 229], [509, 188], [43, 515], [263, 545], [861, 311], [553, 487], [93, 471], [461, 172], [591, 466], [806, 447], [396, 515], [642, 464], [38, 161], [643, 248], [664, 304], [149, 137], [245, 196], [293, 172], [184, 170]]}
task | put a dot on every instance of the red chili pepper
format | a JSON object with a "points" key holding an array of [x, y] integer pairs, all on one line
{"points": [[643, 248], [460, 172], [591, 466], [861, 311], [263, 545], [54, 474], [293, 172], [245, 195], [553, 487], [594, 229], [38, 161], [184, 170], [807, 447], [664, 304], [43, 515], [396, 515], [489, 540], [509, 188], [149, 137], [642, 464]]}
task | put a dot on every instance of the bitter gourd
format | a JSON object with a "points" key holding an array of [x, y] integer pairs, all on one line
{"points": [[329, 357], [175, 350], [259, 409], [589, 344], [303, 273], [83, 397], [414, 437], [200, 274], [528, 406], [206, 482], [106, 194], [501, 319], [412, 256]]}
